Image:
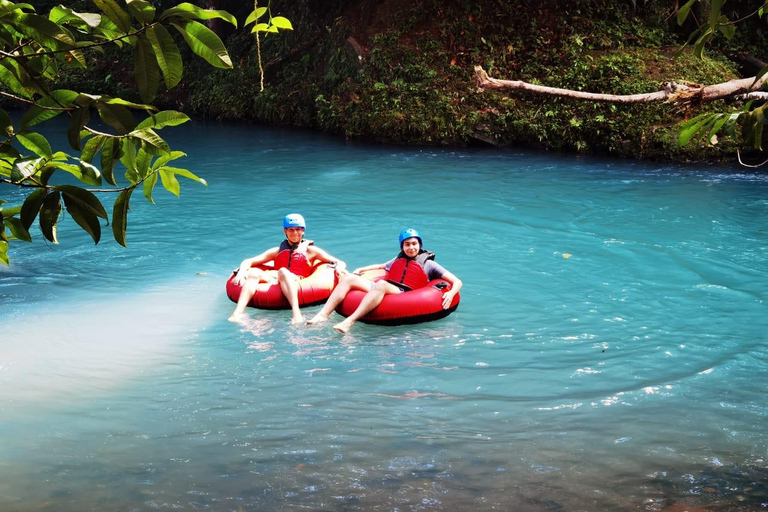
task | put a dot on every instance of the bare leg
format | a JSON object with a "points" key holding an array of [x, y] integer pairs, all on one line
{"points": [[252, 280], [347, 283], [372, 299], [289, 284]]}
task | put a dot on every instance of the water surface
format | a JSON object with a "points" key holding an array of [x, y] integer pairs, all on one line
{"points": [[609, 353]]}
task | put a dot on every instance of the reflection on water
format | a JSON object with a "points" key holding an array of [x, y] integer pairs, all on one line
{"points": [[609, 352]]}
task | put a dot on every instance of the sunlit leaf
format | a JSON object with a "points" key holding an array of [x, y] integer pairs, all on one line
{"points": [[114, 12], [141, 10], [204, 42], [186, 174], [164, 118], [152, 142], [17, 229], [35, 142], [167, 55], [49, 107], [281, 23], [170, 182], [193, 12], [255, 15], [149, 187], [43, 30], [116, 116]]}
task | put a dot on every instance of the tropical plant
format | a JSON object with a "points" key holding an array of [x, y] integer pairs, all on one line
{"points": [[36, 49]]}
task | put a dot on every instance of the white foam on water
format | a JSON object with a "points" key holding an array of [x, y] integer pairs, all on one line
{"points": [[56, 351]]}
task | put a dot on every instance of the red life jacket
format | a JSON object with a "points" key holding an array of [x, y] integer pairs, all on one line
{"points": [[294, 259], [409, 272]]}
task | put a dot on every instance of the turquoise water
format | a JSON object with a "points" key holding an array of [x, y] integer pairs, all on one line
{"points": [[609, 353]]}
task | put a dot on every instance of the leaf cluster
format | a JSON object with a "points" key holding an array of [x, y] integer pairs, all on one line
{"points": [[35, 50]]}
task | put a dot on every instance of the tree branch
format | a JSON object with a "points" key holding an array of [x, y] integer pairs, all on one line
{"points": [[672, 92]]}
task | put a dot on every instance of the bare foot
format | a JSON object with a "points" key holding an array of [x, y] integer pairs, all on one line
{"points": [[317, 319], [343, 327], [235, 317], [297, 319]]}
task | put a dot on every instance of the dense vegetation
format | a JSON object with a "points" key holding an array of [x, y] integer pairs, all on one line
{"points": [[413, 84]]}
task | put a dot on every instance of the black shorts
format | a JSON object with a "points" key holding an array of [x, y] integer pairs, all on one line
{"points": [[402, 287]]}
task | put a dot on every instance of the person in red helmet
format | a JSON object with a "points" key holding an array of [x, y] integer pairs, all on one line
{"points": [[411, 269], [293, 259]]}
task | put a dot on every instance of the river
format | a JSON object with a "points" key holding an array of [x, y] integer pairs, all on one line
{"points": [[610, 351]]}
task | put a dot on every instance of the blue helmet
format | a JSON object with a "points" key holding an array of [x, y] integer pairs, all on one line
{"points": [[294, 220], [409, 233]]}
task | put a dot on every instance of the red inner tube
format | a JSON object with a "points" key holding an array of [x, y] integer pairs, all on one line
{"points": [[313, 289], [411, 307]]}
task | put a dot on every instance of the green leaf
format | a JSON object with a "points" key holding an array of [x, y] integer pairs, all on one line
{"points": [[690, 128], [141, 10], [682, 13], [204, 43], [170, 182], [5, 123], [48, 108], [149, 186], [85, 198], [120, 216], [164, 159], [143, 159], [77, 120], [146, 70], [43, 30], [167, 55], [92, 147], [281, 23], [31, 206], [17, 229], [715, 7], [114, 12], [727, 30], [151, 142], [15, 78], [85, 208], [90, 174], [188, 11], [36, 143], [116, 116], [255, 15], [61, 14], [109, 155], [49, 216], [163, 119], [4, 253], [185, 173]]}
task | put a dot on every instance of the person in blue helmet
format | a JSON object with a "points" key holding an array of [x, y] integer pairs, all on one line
{"points": [[293, 260], [412, 268]]}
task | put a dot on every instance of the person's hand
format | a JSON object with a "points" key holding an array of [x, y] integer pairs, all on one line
{"points": [[448, 298], [239, 277]]}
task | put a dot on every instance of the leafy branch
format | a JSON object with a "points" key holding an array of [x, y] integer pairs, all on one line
{"points": [[35, 50]]}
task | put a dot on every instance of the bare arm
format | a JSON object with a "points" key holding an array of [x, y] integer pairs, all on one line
{"points": [[245, 265], [375, 266], [456, 285], [317, 253]]}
